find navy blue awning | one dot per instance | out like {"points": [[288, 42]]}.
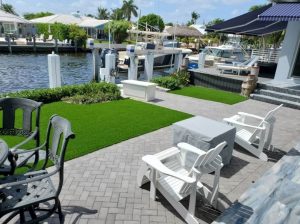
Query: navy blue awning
{"points": [[249, 24], [282, 12]]}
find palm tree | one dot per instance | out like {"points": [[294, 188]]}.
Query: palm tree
{"points": [[195, 16], [117, 14], [129, 8], [8, 8], [103, 13]]}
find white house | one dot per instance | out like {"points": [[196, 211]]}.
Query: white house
{"points": [[94, 27], [15, 25]]}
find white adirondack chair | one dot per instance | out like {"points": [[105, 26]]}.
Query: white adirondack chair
{"points": [[248, 134], [176, 173]]}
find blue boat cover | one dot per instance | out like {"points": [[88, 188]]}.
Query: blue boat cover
{"points": [[249, 24], [282, 12]]}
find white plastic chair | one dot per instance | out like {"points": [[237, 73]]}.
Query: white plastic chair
{"points": [[239, 67], [176, 173], [248, 134]]}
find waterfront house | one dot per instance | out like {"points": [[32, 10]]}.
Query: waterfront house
{"points": [[94, 27], [15, 25]]}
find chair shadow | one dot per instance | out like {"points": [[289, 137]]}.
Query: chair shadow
{"points": [[70, 210], [235, 165], [66, 210], [204, 211], [273, 156]]}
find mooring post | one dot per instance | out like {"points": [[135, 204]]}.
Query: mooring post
{"points": [[56, 46], [54, 70], [178, 61], [9, 44], [34, 43], [201, 60], [133, 66], [110, 65], [76, 45], [149, 61], [96, 64]]}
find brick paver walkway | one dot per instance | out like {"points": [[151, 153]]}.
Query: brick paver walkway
{"points": [[101, 187]]}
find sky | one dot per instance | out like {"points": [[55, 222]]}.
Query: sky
{"points": [[176, 11]]}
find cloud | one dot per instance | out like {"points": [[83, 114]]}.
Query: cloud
{"points": [[235, 12]]}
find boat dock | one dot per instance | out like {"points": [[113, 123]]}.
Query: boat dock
{"points": [[213, 78]]}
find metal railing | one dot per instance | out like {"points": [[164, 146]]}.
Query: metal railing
{"points": [[266, 55]]}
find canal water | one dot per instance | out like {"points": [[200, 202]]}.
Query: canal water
{"points": [[30, 71]]}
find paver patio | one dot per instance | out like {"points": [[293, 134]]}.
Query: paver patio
{"points": [[101, 187]]}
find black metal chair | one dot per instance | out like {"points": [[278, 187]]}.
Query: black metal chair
{"points": [[9, 108], [24, 193]]}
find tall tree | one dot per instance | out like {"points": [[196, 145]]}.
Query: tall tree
{"points": [[37, 15], [129, 9], [195, 17], [151, 20], [8, 8], [255, 7], [217, 36], [103, 13], [117, 14]]}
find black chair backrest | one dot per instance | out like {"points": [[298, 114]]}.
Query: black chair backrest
{"points": [[9, 106], [58, 134]]}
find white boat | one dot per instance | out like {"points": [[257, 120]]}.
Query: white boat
{"points": [[224, 53], [163, 60]]}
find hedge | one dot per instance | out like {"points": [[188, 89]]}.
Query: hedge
{"points": [[107, 91]]}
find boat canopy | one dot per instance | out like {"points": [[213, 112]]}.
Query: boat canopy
{"points": [[282, 12], [250, 24]]}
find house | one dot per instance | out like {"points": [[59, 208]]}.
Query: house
{"points": [[94, 27], [15, 25]]}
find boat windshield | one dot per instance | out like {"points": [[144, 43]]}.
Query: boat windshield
{"points": [[218, 52]]}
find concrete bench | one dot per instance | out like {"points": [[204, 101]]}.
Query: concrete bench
{"points": [[139, 89], [273, 198]]}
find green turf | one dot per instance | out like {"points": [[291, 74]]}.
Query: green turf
{"points": [[99, 125], [210, 94]]}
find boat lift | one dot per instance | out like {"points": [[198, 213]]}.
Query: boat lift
{"points": [[108, 73], [149, 54]]}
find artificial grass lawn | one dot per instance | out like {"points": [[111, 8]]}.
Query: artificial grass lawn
{"points": [[210, 94], [103, 124]]}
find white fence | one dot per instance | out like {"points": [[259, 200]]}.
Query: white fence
{"points": [[266, 55]]}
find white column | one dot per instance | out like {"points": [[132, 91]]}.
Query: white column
{"points": [[201, 60], [178, 61], [132, 69], [54, 70], [133, 66], [110, 64], [289, 51], [149, 61]]}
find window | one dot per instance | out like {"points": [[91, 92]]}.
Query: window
{"points": [[9, 27], [226, 54]]}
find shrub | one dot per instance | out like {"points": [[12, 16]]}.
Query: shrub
{"points": [[168, 82], [174, 81], [105, 91], [183, 77]]}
